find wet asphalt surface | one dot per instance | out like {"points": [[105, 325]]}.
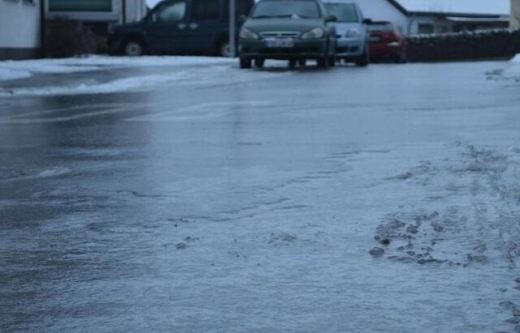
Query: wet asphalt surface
{"points": [[102, 196]]}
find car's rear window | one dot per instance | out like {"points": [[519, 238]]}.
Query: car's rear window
{"points": [[286, 8], [384, 27], [344, 12]]}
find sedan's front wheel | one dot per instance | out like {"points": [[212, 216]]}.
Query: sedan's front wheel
{"points": [[332, 61], [259, 62], [364, 59]]}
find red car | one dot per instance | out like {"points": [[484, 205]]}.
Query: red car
{"points": [[386, 42]]}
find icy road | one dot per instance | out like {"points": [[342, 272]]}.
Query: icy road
{"points": [[202, 198]]}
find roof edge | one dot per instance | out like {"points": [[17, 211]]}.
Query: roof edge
{"points": [[467, 15], [399, 7]]}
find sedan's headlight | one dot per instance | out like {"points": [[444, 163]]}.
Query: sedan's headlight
{"points": [[314, 33], [247, 34], [353, 32]]}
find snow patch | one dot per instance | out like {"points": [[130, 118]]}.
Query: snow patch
{"points": [[94, 63], [7, 74], [192, 77], [516, 59]]}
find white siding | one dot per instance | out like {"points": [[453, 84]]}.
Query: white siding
{"points": [[19, 24], [515, 13], [135, 10]]}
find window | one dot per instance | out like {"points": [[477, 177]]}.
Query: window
{"points": [[243, 7], [343, 12], [172, 12], [426, 28], [302, 9], [205, 9], [80, 5]]}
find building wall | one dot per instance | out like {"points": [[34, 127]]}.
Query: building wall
{"points": [[419, 25], [19, 29], [135, 10], [515, 13], [382, 10]]}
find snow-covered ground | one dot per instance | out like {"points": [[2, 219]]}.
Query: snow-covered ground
{"points": [[135, 73], [93, 63], [140, 73], [513, 71], [337, 201]]}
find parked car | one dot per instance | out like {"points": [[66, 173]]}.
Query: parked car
{"points": [[179, 27], [351, 32], [386, 42], [293, 30]]}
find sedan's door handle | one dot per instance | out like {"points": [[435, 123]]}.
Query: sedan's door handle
{"points": [[194, 26], [181, 26]]}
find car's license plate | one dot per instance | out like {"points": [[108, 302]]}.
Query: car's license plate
{"points": [[279, 42], [374, 39]]}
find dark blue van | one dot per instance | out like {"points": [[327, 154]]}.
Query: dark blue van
{"points": [[179, 27]]}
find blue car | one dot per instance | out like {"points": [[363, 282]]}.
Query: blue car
{"points": [[351, 32]]}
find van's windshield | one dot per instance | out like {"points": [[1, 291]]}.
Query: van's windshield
{"points": [[344, 12], [291, 8]]}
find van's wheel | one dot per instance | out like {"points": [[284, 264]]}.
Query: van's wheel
{"points": [[134, 48], [302, 62], [292, 63], [259, 62], [224, 49], [245, 63]]}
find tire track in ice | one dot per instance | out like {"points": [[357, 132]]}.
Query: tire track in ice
{"points": [[482, 229]]}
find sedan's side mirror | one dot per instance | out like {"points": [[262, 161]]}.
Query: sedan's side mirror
{"points": [[242, 18], [367, 21], [331, 18]]}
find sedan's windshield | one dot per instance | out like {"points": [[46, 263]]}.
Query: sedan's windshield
{"points": [[290, 8], [344, 12]]}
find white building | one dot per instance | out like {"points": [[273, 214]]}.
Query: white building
{"points": [[22, 23], [437, 16], [20, 34], [515, 13], [101, 11]]}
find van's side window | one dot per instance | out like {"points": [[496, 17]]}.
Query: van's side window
{"points": [[172, 12], [243, 7], [205, 9]]}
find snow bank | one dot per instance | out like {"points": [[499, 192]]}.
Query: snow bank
{"points": [[92, 63], [513, 71], [12, 70], [187, 77], [7, 74]]}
